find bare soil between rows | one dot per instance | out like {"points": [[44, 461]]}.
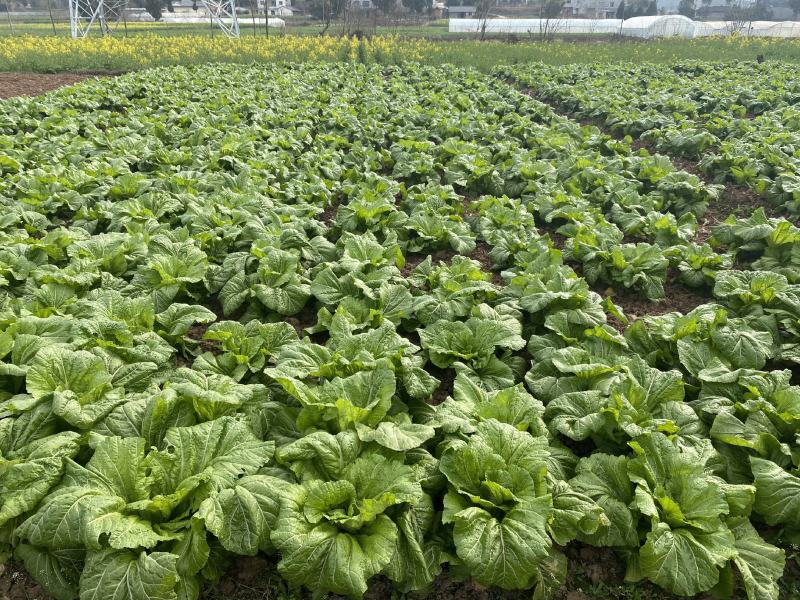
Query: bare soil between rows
{"points": [[34, 84], [594, 574]]}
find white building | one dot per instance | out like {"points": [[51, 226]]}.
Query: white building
{"points": [[460, 12], [709, 8], [277, 8], [595, 9]]}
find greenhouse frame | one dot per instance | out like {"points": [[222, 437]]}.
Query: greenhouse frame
{"points": [[639, 27]]}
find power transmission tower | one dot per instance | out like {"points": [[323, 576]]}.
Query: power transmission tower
{"points": [[105, 16], [223, 13]]}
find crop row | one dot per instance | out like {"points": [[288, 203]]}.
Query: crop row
{"points": [[740, 120], [349, 316]]}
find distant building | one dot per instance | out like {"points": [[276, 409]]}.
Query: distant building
{"points": [[277, 8], [669, 7], [708, 10], [185, 5], [719, 10], [592, 9], [460, 12], [781, 11]]}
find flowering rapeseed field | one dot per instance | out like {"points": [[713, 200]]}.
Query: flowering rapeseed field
{"points": [[61, 53]]}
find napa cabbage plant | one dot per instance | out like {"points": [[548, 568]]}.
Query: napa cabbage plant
{"points": [[641, 267], [363, 288], [172, 268], [704, 338], [449, 292], [347, 353], [125, 502], [471, 345], [694, 526], [556, 301], [243, 350], [363, 514], [505, 510]]}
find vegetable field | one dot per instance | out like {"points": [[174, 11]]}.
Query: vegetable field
{"points": [[399, 323]]}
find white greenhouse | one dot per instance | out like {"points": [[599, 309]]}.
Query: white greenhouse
{"points": [[640, 27], [537, 26], [782, 29], [658, 26], [711, 28]]}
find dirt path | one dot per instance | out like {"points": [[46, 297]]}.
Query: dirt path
{"points": [[33, 84]]}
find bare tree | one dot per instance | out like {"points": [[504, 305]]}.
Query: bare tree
{"points": [[735, 17], [53, 21], [358, 19], [326, 11], [688, 8], [327, 15], [387, 7], [741, 15], [550, 22], [8, 14], [482, 10]]}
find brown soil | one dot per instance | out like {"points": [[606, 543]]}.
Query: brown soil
{"points": [[445, 588], [580, 448], [594, 574], [247, 578], [447, 378], [790, 582], [481, 254], [305, 318], [196, 332], [681, 162], [413, 259], [634, 305], [736, 200], [16, 584], [638, 144], [467, 205], [616, 323], [688, 165], [559, 240], [598, 564], [255, 578], [329, 214], [33, 84], [213, 304]]}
